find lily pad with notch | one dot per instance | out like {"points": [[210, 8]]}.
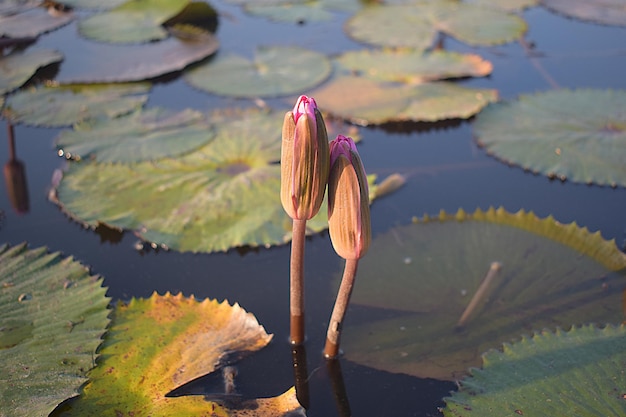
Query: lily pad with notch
{"points": [[417, 25], [133, 21], [446, 289], [577, 135], [103, 63], [33, 22], [607, 12], [144, 135], [274, 71], [220, 196], [364, 101], [64, 105]]}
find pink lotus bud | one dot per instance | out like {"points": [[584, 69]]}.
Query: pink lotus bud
{"points": [[348, 200], [304, 160]]}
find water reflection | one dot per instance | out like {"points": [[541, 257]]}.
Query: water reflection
{"points": [[15, 177]]}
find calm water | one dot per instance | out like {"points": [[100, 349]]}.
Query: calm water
{"points": [[445, 170]]}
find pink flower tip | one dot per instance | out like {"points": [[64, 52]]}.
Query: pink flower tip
{"points": [[304, 105]]}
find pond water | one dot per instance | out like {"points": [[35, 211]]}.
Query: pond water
{"points": [[444, 168]]}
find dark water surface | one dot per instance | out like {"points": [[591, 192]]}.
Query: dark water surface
{"points": [[445, 170]]}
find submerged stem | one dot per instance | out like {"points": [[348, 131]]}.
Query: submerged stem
{"points": [[494, 268], [331, 350], [296, 289]]}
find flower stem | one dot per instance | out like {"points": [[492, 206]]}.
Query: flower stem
{"points": [[296, 293], [331, 350]]}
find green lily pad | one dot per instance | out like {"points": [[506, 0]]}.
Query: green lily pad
{"points": [[579, 135], [220, 196], [275, 71], [364, 101], [142, 136], [131, 22], [155, 345], [508, 5], [65, 105], [575, 373], [52, 316], [437, 316], [34, 22], [18, 66], [416, 25], [607, 12], [413, 67], [298, 11], [101, 63]]}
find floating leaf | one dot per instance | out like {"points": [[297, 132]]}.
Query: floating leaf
{"points": [[508, 5], [220, 196], [291, 12], [18, 66], [424, 277], [106, 63], [413, 67], [34, 22], [11, 7], [65, 105], [275, 71], [578, 135], [575, 373], [93, 4], [416, 25], [52, 316], [608, 12], [142, 136], [155, 345], [364, 101], [132, 21]]}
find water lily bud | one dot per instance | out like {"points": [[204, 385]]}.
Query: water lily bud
{"points": [[348, 200], [304, 161]]}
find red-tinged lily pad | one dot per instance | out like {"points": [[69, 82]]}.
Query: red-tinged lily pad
{"points": [[18, 66], [10, 7], [577, 135], [34, 22], [448, 288], [220, 196], [158, 344], [102, 63], [579, 372], [274, 71], [365, 101], [607, 12], [64, 105], [53, 313], [416, 25], [141, 136], [131, 22]]}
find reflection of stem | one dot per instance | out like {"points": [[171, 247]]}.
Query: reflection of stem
{"points": [[339, 388], [11, 137], [537, 64], [331, 350], [480, 293], [301, 375], [296, 294]]}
